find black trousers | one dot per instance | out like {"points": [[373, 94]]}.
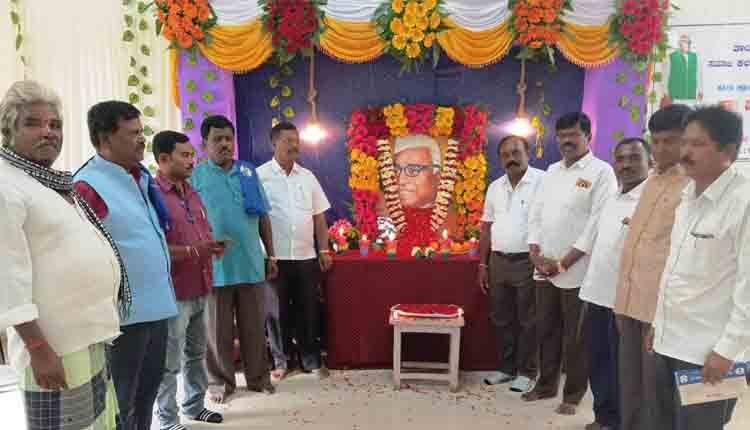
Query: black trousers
{"points": [[298, 316], [601, 343], [136, 360], [670, 413]]}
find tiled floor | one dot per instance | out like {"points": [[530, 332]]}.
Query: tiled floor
{"points": [[365, 400]]}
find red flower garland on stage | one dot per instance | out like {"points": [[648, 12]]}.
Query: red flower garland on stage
{"points": [[638, 27], [295, 25]]}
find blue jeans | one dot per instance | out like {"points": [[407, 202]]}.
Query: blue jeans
{"points": [[186, 351]]}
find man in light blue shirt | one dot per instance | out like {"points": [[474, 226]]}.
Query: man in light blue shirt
{"points": [[238, 213]]}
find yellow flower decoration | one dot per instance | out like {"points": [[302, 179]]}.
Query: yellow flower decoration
{"points": [[423, 23], [435, 20], [397, 26], [399, 42], [397, 6], [443, 125], [416, 35], [413, 50], [412, 8], [410, 20], [429, 4], [429, 39]]}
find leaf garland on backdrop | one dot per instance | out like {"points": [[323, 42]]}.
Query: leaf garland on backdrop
{"points": [[295, 27], [16, 20], [409, 29], [537, 26], [137, 22], [183, 23]]}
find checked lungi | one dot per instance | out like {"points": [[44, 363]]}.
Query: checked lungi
{"points": [[89, 403]]}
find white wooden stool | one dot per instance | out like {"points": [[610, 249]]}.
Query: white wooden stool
{"points": [[449, 326]]}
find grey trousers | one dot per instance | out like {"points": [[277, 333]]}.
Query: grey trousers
{"points": [[244, 304], [636, 375], [671, 415], [513, 315]]}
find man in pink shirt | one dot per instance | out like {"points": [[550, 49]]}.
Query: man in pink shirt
{"points": [[191, 247]]}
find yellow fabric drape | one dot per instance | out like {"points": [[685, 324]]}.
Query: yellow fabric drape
{"points": [[351, 42], [238, 48], [174, 59], [587, 45], [475, 48]]}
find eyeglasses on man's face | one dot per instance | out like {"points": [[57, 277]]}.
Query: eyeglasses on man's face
{"points": [[413, 170]]}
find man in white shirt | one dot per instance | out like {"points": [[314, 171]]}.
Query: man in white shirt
{"points": [[703, 313], [571, 195], [604, 241], [62, 277], [506, 273], [298, 206]]}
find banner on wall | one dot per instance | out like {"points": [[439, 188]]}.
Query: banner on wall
{"points": [[710, 64]]}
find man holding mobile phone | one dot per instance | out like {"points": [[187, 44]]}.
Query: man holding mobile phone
{"points": [[191, 247]]}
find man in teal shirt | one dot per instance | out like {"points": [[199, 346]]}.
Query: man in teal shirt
{"points": [[238, 213]]}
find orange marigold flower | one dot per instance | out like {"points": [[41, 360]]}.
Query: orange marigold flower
{"points": [[535, 3], [522, 10], [185, 42], [416, 35], [521, 24], [429, 40], [204, 13], [413, 50], [168, 33], [435, 20], [549, 16], [190, 11], [397, 6], [198, 34], [399, 42], [535, 15], [548, 3], [535, 44], [174, 22]]}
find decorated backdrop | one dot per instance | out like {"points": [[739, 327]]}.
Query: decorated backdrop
{"points": [[345, 88]]}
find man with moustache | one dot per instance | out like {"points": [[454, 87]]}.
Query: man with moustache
{"points": [[603, 241], [238, 213], [417, 167], [126, 198], [702, 316], [644, 254], [572, 193], [298, 206], [191, 247], [62, 278], [506, 273]]}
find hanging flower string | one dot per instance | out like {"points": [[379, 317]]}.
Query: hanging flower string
{"points": [[409, 29], [184, 23], [639, 28], [295, 26], [537, 26]]}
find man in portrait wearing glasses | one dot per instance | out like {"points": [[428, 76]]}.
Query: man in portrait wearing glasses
{"points": [[417, 162], [571, 196]]}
